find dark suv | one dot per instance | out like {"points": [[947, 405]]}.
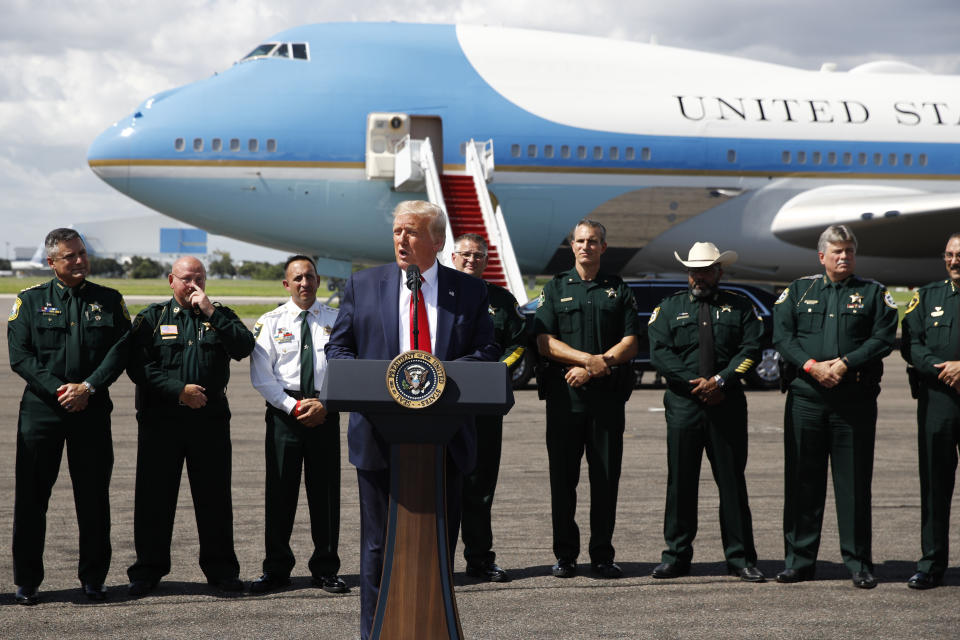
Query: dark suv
{"points": [[649, 294]]}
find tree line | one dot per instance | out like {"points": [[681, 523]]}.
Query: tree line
{"points": [[139, 267]]}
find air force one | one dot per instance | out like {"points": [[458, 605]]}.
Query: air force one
{"points": [[308, 142]]}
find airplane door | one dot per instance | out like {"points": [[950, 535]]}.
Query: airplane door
{"points": [[429, 127]]}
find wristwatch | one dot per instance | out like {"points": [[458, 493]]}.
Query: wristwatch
{"points": [[89, 387], [720, 381]]}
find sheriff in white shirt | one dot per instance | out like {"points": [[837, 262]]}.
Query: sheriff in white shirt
{"points": [[287, 368]]}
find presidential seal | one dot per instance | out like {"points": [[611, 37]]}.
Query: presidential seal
{"points": [[415, 379]]}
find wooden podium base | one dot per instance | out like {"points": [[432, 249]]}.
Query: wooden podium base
{"points": [[416, 597]]}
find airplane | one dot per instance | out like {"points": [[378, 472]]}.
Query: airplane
{"points": [[296, 147]]}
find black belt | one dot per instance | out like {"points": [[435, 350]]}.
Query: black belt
{"points": [[298, 395]]}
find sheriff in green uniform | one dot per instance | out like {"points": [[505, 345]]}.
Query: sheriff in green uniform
{"points": [[833, 330], [470, 256], [180, 360], [931, 343], [702, 341], [586, 327], [68, 339]]}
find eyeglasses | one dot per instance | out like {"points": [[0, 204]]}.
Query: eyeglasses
{"points": [[950, 256], [198, 281], [471, 255]]}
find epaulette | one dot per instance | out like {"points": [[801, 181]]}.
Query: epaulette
{"points": [[36, 286], [813, 277], [276, 311], [871, 281]]}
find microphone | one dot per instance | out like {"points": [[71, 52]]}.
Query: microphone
{"points": [[413, 277], [413, 283]]}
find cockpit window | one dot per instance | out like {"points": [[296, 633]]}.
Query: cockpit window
{"points": [[296, 50]]}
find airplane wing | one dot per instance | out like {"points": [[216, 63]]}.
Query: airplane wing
{"points": [[888, 221]]}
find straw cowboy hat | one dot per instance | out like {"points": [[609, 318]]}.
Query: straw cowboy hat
{"points": [[706, 254]]}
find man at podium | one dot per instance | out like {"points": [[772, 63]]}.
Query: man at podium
{"points": [[375, 323]]}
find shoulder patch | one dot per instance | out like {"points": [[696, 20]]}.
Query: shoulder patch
{"points": [[137, 322], [257, 327], [123, 308], [540, 299], [15, 311], [783, 296], [516, 310], [913, 303], [888, 299], [653, 316]]}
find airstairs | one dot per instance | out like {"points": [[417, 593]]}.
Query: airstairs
{"points": [[466, 200]]}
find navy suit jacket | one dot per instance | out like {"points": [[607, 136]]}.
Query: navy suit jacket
{"points": [[368, 328]]}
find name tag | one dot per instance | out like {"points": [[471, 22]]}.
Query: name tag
{"points": [[566, 299]]}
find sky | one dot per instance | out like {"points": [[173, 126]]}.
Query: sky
{"points": [[69, 68]]}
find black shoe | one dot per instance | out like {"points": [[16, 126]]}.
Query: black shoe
{"points": [[140, 588], [864, 580], [27, 596], [747, 574], [789, 576], [606, 570], [923, 580], [564, 569], [489, 572], [331, 583], [671, 570], [269, 582], [226, 584], [95, 592]]}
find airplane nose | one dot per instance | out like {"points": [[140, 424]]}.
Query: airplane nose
{"points": [[109, 154]]}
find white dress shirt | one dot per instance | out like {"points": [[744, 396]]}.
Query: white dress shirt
{"points": [[275, 362], [429, 289]]}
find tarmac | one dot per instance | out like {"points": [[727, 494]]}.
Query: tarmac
{"points": [[535, 605]]}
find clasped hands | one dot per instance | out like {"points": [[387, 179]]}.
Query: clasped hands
{"points": [[828, 373], [707, 391], [312, 412], [73, 396], [949, 373], [595, 366]]}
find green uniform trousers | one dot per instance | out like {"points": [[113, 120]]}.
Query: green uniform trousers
{"points": [[290, 447], [599, 431], [938, 414], [840, 427], [42, 432], [163, 444], [722, 431], [477, 494]]}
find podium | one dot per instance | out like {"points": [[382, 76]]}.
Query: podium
{"points": [[416, 598]]}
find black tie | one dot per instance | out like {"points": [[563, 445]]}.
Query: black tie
{"points": [[706, 340], [72, 313], [306, 357]]}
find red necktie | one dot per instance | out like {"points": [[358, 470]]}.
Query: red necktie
{"points": [[423, 323]]}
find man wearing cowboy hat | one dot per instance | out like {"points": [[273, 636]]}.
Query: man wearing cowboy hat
{"points": [[702, 341], [834, 329]]}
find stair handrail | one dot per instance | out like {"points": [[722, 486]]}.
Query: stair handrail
{"points": [[493, 220], [435, 195]]}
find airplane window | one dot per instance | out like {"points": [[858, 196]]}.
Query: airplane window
{"points": [[178, 144], [892, 159], [198, 144], [630, 154], [271, 145], [379, 145], [597, 153], [922, 158], [565, 151], [731, 155], [861, 158], [463, 149], [234, 144], [300, 51], [283, 51], [531, 150], [515, 150], [645, 153], [548, 151], [785, 157], [581, 152], [832, 157], [262, 50], [614, 153], [847, 158], [878, 159], [253, 144], [907, 160], [216, 144], [802, 157], [815, 157]]}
